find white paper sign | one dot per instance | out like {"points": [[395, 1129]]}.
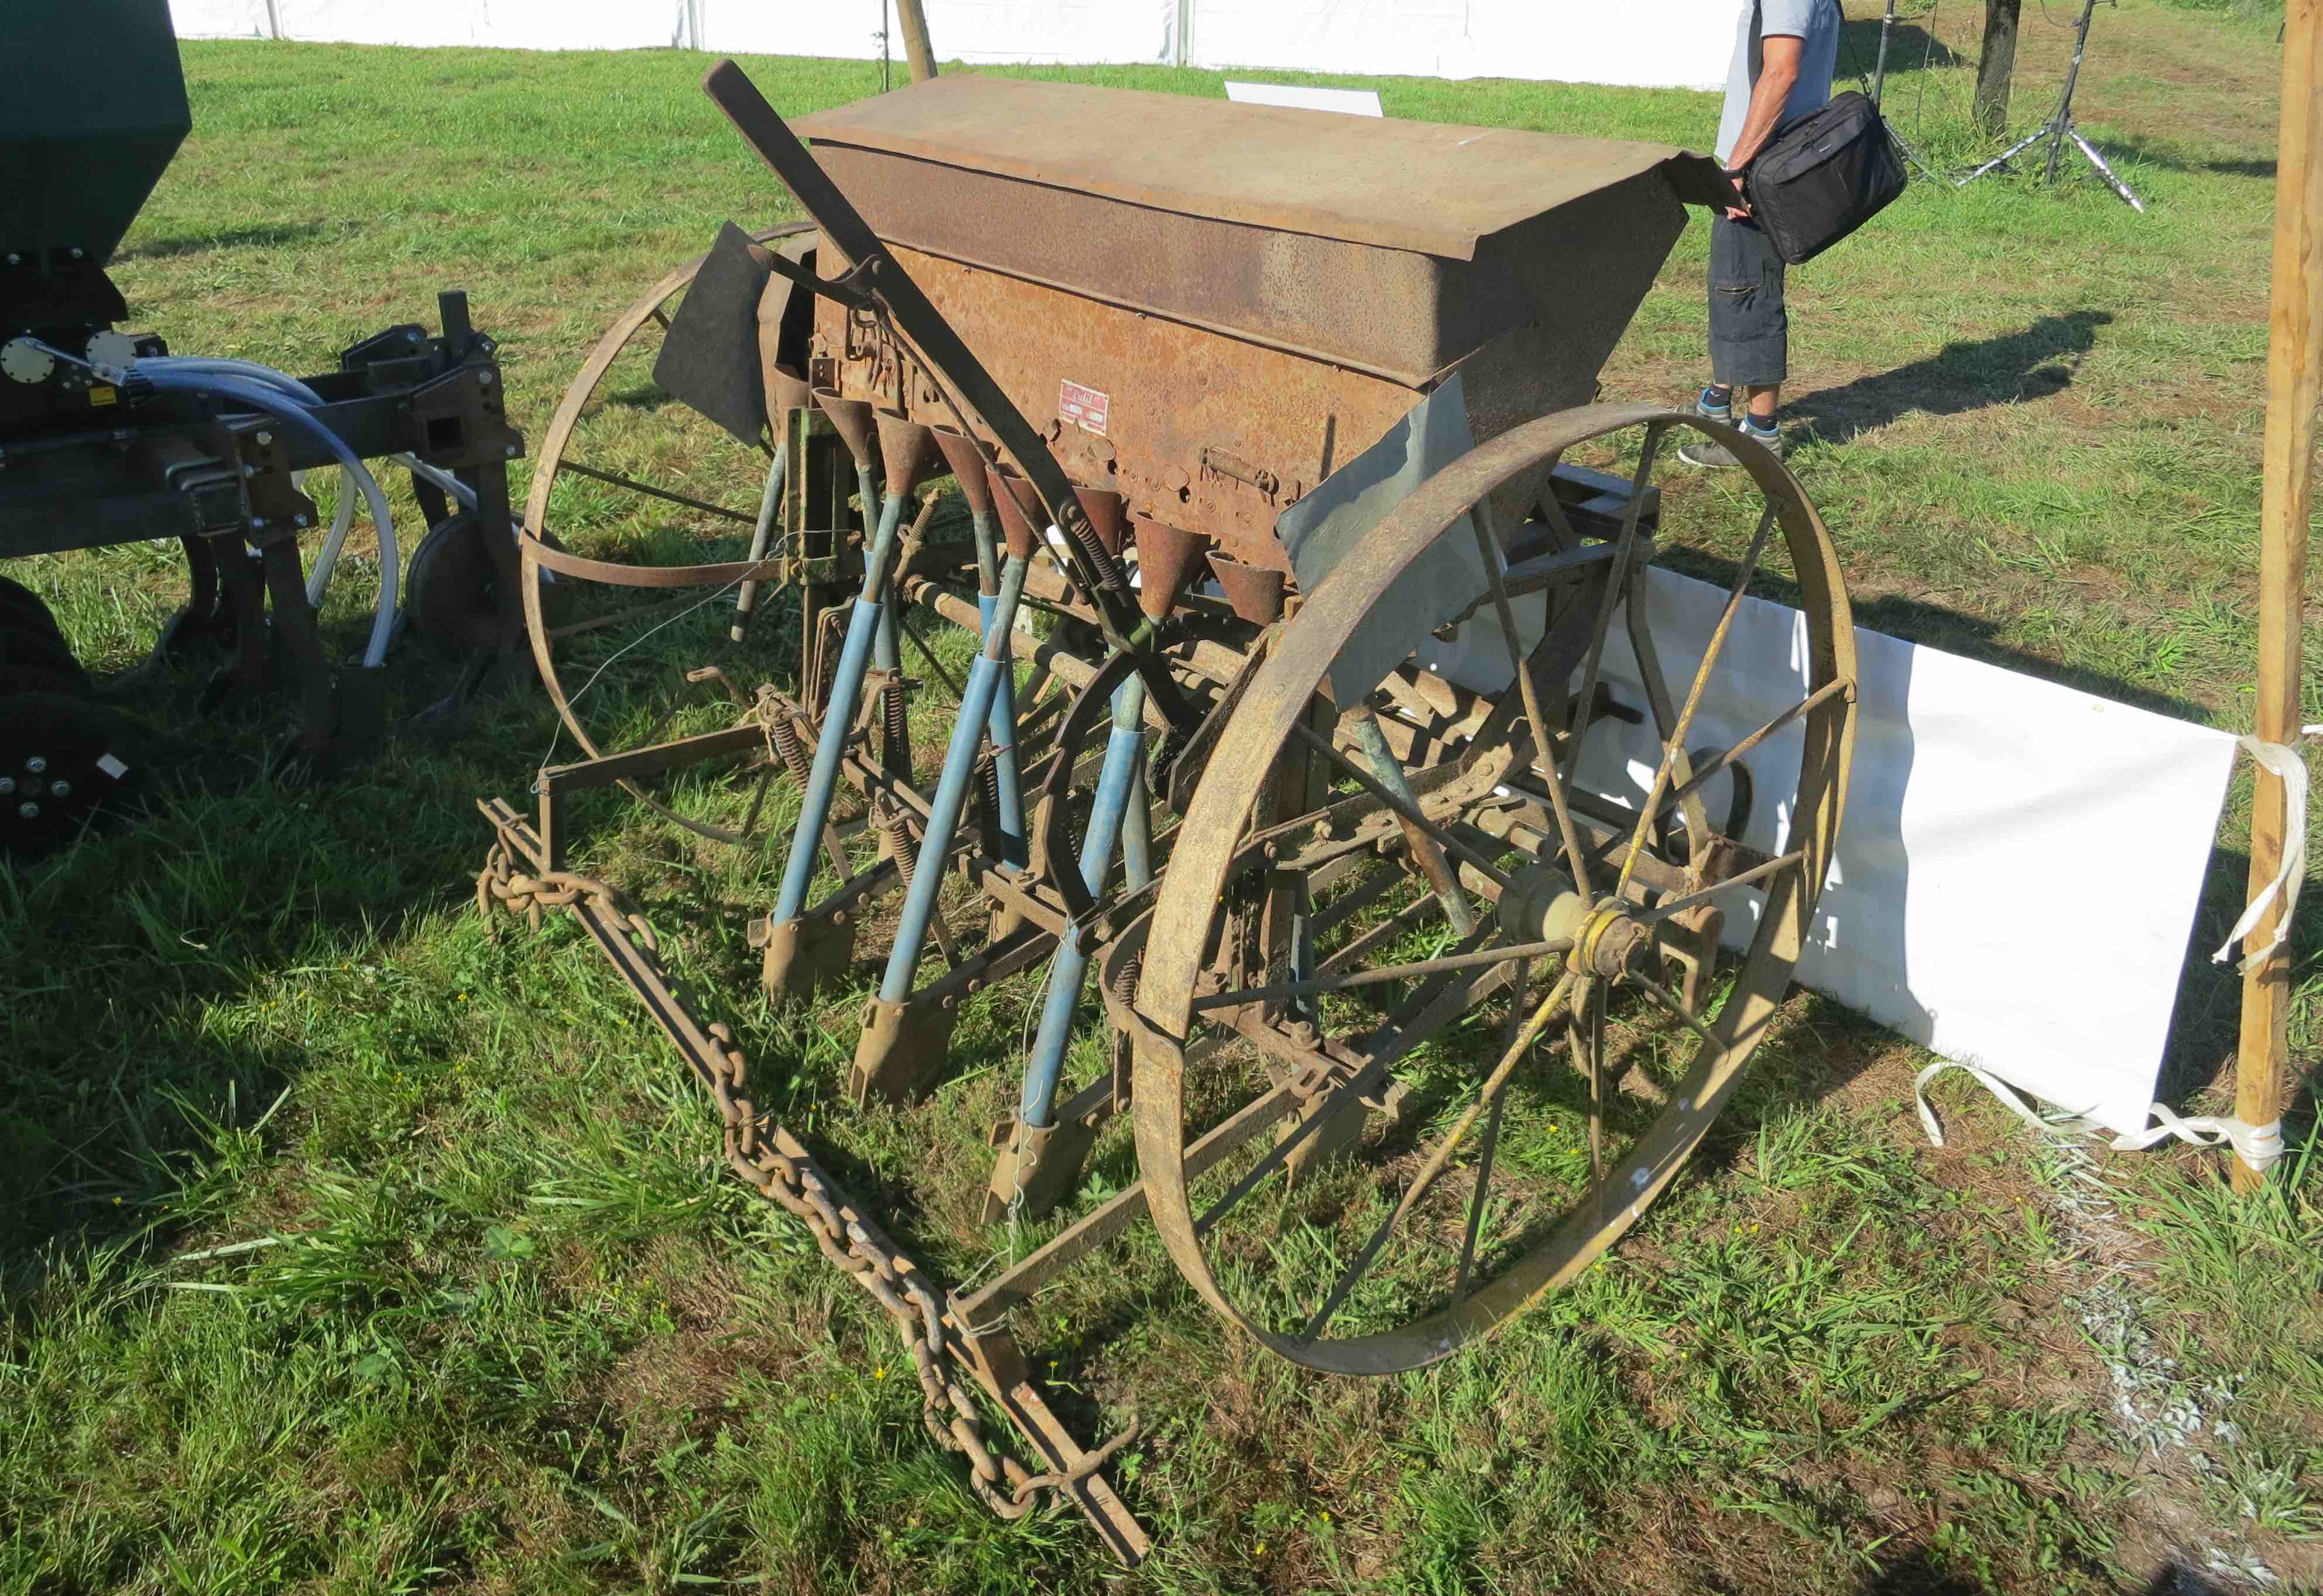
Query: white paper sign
{"points": [[1355, 102], [2019, 863]]}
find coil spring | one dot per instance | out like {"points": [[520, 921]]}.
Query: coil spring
{"points": [[897, 729], [987, 783], [1125, 979], [788, 744], [900, 845]]}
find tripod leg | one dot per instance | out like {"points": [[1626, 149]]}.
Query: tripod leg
{"points": [[2105, 171], [2006, 156], [1914, 156], [2056, 149]]}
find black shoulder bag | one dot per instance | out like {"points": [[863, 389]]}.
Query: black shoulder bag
{"points": [[1821, 178]]}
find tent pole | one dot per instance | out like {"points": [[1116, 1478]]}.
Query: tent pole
{"points": [[914, 22], [2294, 381]]}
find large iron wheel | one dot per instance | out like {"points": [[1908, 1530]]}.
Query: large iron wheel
{"points": [[1401, 932], [632, 479]]}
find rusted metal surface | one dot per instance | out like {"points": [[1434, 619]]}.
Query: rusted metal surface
{"points": [[1433, 189], [1211, 357], [1272, 714]]}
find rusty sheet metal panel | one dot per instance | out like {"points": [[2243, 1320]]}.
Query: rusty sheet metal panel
{"points": [[1200, 431], [1394, 247], [1213, 352], [1433, 189]]}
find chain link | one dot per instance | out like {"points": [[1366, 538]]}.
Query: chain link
{"points": [[893, 1278]]}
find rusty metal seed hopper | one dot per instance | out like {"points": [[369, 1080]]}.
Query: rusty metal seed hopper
{"points": [[1269, 582]]}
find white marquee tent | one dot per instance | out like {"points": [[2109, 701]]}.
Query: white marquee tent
{"points": [[1644, 43]]}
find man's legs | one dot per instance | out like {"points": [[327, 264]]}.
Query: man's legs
{"points": [[1750, 337]]}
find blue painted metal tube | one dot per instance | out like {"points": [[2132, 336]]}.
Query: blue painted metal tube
{"points": [[747, 600], [1000, 727], [984, 675], [885, 650], [1137, 829], [1116, 781], [838, 716], [1014, 846]]}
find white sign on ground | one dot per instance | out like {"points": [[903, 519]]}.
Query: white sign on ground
{"points": [[1672, 44], [2019, 865], [1352, 102]]}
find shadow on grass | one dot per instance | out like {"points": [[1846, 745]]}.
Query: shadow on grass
{"points": [[2139, 150], [135, 964], [266, 236], [2040, 361], [1919, 1572], [1910, 48]]}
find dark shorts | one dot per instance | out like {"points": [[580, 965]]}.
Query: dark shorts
{"points": [[1749, 331]]}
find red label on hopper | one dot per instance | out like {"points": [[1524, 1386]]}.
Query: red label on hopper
{"points": [[1085, 407]]}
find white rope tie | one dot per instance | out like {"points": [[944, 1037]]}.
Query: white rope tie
{"points": [[2286, 762], [2258, 1146]]}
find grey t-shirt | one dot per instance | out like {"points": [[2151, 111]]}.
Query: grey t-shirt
{"points": [[1814, 21]]}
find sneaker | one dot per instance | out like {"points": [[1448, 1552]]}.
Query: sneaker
{"points": [[1712, 455], [1715, 404]]}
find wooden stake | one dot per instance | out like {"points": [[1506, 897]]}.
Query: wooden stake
{"points": [[2294, 381], [915, 21]]}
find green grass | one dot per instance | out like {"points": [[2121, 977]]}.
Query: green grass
{"points": [[348, 1245]]}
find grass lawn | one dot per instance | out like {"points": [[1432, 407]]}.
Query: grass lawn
{"points": [[341, 1251]]}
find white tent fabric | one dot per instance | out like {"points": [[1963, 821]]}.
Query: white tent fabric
{"points": [[1681, 44], [508, 25]]}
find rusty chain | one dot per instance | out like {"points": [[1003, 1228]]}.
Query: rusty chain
{"points": [[893, 1278], [522, 892]]}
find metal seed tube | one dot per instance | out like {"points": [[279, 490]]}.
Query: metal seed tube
{"points": [[747, 598], [838, 715], [967, 731], [1115, 784]]}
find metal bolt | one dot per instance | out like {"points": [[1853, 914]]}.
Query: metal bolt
{"points": [[412, 337], [265, 440], [30, 811], [258, 523], [14, 259], [297, 520], [36, 765], [7, 785], [512, 451], [76, 253], [61, 789], [483, 379]]}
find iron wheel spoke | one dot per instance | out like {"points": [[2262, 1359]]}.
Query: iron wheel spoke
{"points": [[1487, 550], [1710, 772], [1755, 872], [1487, 1096], [1395, 972], [1674, 745], [1372, 785], [1661, 995], [635, 486], [1616, 581], [1481, 1189]]}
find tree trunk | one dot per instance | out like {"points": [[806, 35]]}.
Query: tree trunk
{"points": [[1996, 64], [915, 38]]}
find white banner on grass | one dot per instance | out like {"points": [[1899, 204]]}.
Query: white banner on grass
{"points": [[2019, 863]]}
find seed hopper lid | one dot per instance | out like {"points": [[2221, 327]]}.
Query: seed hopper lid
{"points": [[1433, 189]]}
